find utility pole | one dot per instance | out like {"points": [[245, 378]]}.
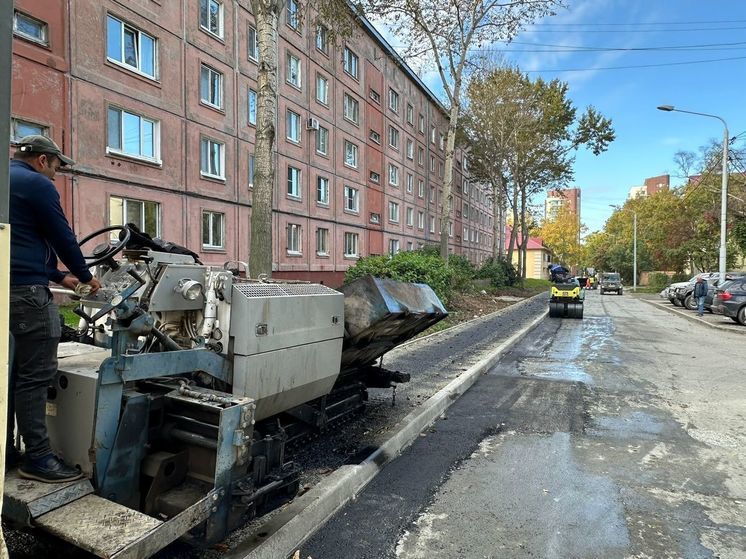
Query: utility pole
{"points": [[634, 254]]}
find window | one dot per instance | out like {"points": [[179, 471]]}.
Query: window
{"points": [[351, 108], [322, 241], [420, 155], [322, 39], [393, 246], [350, 154], [212, 159], [393, 137], [322, 190], [30, 28], [253, 44], [432, 194], [375, 218], [375, 177], [352, 200], [133, 135], [292, 71], [410, 246], [441, 142], [441, 169], [322, 141], [212, 230], [292, 17], [410, 114], [211, 86], [410, 216], [20, 128], [410, 183], [393, 100], [450, 229], [350, 63], [393, 175], [292, 131], [252, 107], [421, 126], [410, 149], [146, 215], [293, 235], [211, 17], [293, 182], [432, 224], [251, 170], [432, 134], [322, 89], [420, 220], [393, 212], [351, 245], [375, 136], [130, 47], [466, 211], [432, 163], [421, 188]]}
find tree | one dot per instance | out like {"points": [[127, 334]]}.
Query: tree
{"points": [[561, 234], [451, 32]]}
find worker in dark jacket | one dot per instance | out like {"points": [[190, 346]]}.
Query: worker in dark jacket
{"points": [[700, 291], [40, 234]]}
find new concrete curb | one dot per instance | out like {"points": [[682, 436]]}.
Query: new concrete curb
{"points": [[693, 317], [289, 529]]}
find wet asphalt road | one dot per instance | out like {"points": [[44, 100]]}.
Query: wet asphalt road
{"points": [[620, 435]]}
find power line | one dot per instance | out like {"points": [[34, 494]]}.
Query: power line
{"points": [[714, 22], [623, 49], [637, 66], [662, 30]]}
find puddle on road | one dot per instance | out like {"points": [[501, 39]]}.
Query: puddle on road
{"points": [[633, 425]]}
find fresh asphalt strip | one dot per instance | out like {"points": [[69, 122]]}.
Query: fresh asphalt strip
{"points": [[284, 533]]}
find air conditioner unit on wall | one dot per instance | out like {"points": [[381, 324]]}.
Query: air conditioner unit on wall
{"points": [[312, 124]]}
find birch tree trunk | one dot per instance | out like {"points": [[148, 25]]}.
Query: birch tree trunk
{"points": [[445, 211], [266, 13]]}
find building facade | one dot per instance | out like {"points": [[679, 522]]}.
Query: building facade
{"points": [[156, 102], [651, 186], [567, 197]]}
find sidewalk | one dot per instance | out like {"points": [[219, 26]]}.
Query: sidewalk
{"points": [[712, 320]]}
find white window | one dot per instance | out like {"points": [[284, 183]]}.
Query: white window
{"points": [[410, 149], [146, 215], [393, 175], [292, 131], [351, 245], [450, 229], [393, 137], [410, 183], [375, 136], [251, 170], [352, 199], [133, 135], [293, 235], [393, 100], [432, 224], [293, 181], [350, 63], [213, 227], [420, 155], [393, 212], [393, 246], [375, 177], [350, 154], [421, 188], [410, 114], [20, 128], [322, 89], [293, 14], [421, 125], [211, 86], [375, 96], [322, 190], [432, 163], [30, 28], [351, 109], [212, 159], [466, 187], [322, 141], [211, 17], [322, 241], [420, 220], [292, 72], [322, 39], [375, 218], [253, 44], [410, 246], [432, 194], [432, 134], [410, 216], [130, 47], [466, 211], [252, 107], [441, 142]]}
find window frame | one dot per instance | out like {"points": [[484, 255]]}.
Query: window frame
{"points": [[319, 143], [293, 232], [321, 78], [322, 248], [294, 187], [351, 198], [211, 216], [355, 152], [351, 63], [351, 240], [120, 152], [410, 114], [393, 212], [410, 149], [292, 17], [394, 246], [354, 105], [393, 175], [43, 129], [220, 34], [125, 202], [322, 35], [255, 45], [393, 100], [322, 200], [139, 33], [208, 102], [252, 95], [290, 117], [289, 59], [394, 137], [222, 146], [43, 25], [410, 217]]}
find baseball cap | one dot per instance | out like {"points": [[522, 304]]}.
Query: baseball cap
{"points": [[41, 144]]}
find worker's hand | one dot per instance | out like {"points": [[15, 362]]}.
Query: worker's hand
{"points": [[94, 285], [69, 282]]}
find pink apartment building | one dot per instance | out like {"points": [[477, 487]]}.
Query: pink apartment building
{"points": [[156, 101]]}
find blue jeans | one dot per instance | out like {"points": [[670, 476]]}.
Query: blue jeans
{"points": [[701, 305], [35, 333]]}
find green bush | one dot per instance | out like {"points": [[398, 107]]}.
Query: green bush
{"points": [[463, 272], [679, 276], [658, 280], [499, 271]]}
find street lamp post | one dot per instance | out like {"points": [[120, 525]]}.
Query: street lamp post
{"points": [[724, 192]]}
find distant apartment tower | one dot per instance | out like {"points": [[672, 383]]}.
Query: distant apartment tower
{"points": [[652, 186], [568, 198]]}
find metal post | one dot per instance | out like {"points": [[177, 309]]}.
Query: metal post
{"points": [[634, 254]]}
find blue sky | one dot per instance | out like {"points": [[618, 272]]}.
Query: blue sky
{"points": [[647, 139]]}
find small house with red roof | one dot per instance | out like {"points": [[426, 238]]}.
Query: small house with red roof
{"points": [[538, 256]]}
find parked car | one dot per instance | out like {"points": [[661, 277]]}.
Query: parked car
{"points": [[730, 300], [712, 285], [610, 281], [685, 292], [671, 293]]}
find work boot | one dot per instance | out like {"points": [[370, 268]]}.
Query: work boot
{"points": [[12, 458], [49, 469]]}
